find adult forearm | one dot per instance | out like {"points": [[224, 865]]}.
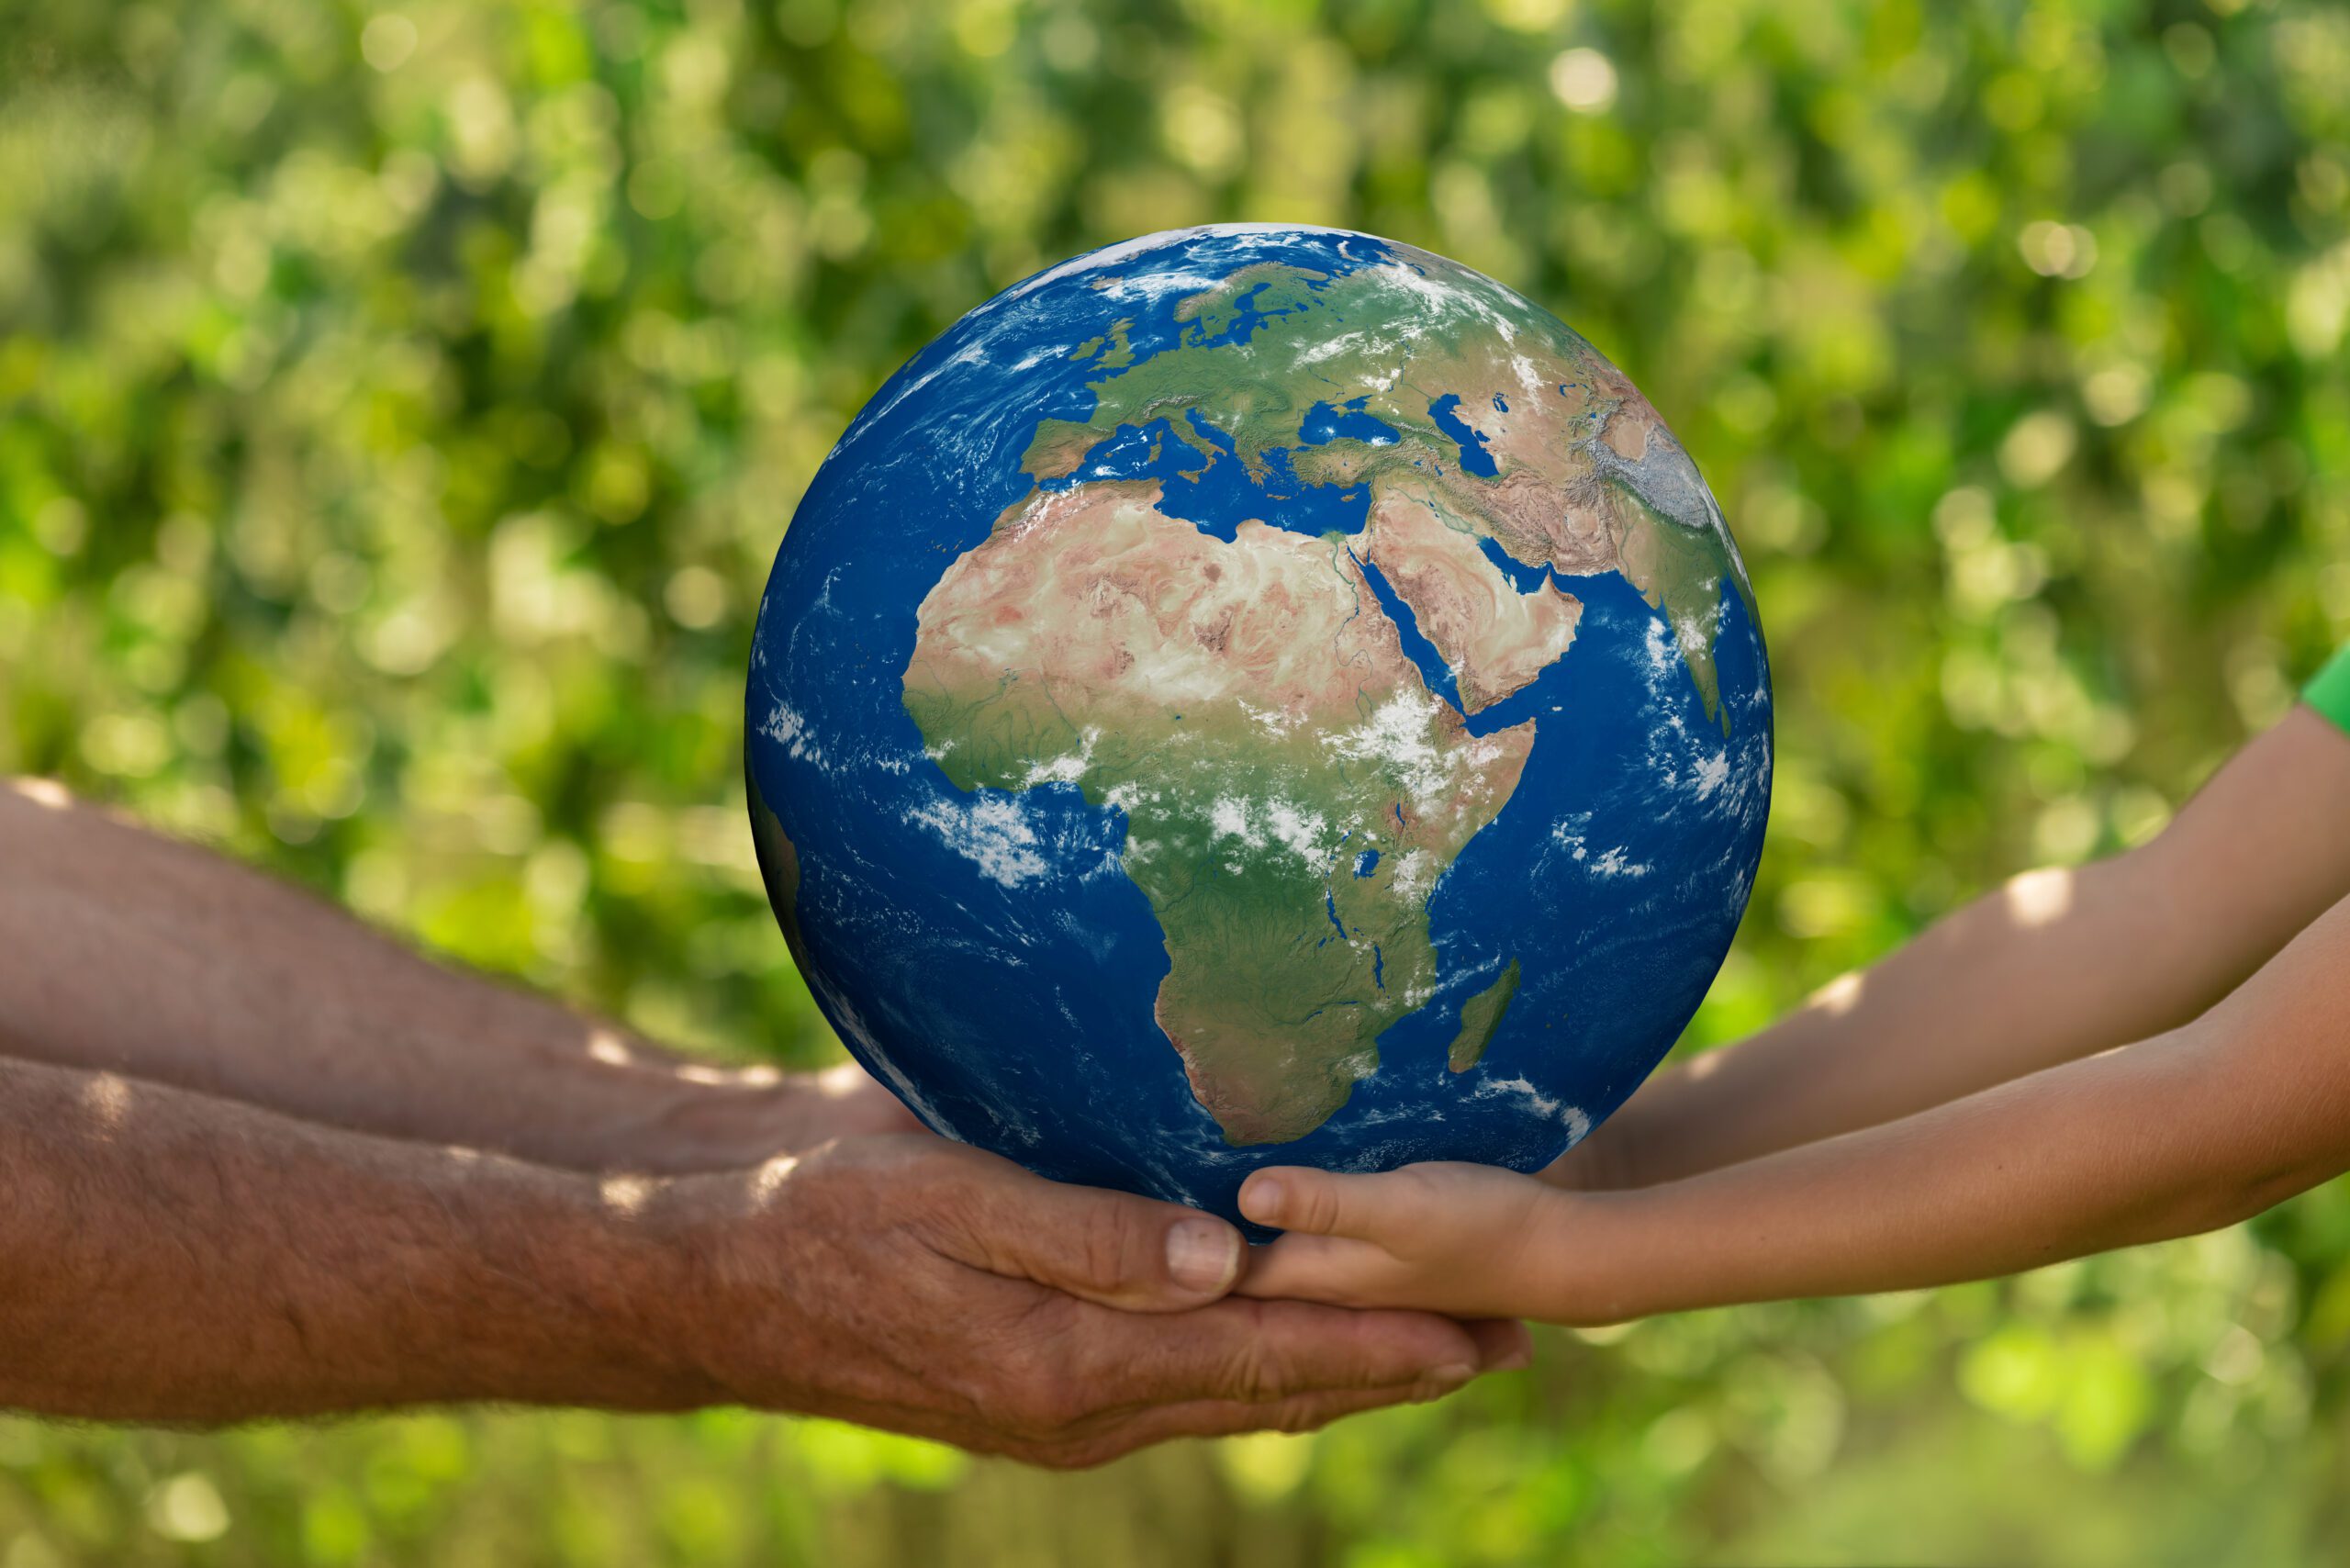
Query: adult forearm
{"points": [[168, 1257], [131, 953]]}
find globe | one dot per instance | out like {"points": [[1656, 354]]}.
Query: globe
{"points": [[1251, 695]]}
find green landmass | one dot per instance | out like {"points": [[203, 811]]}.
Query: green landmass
{"points": [[1243, 833], [1284, 968], [201, 458], [1260, 399], [778, 860], [1398, 338], [1480, 1016], [1270, 288], [1284, 974], [1121, 354], [1679, 573]]}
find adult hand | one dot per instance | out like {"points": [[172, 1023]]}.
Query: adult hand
{"points": [[921, 1286], [728, 1120], [181, 1257]]}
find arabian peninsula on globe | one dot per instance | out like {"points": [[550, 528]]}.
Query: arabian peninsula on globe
{"points": [[1259, 695]]}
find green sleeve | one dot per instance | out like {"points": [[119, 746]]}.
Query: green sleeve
{"points": [[2330, 692]]}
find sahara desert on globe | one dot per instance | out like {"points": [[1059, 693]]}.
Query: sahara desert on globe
{"points": [[1254, 694]]}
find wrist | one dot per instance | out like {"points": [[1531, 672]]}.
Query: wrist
{"points": [[1620, 1152], [691, 1120], [1607, 1160], [613, 1272], [1606, 1264], [710, 1121], [1668, 1129], [716, 1264]]}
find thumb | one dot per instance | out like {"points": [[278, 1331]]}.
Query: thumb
{"points": [[1315, 1202], [1111, 1248]]}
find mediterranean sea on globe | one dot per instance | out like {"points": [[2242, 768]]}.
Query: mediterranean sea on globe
{"points": [[1254, 695]]}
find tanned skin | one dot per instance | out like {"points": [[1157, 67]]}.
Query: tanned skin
{"points": [[2144, 1048], [256, 1160]]}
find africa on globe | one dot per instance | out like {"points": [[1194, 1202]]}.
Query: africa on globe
{"points": [[1253, 695]]}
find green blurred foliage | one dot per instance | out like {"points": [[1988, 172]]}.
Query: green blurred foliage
{"points": [[400, 405]]}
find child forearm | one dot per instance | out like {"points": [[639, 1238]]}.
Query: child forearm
{"points": [[2199, 1129], [2052, 967], [1980, 998], [2196, 1128], [2066, 1162]]}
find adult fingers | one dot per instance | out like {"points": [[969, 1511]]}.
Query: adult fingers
{"points": [[1503, 1343], [1113, 1249], [1224, 1418], [1259, 1352], [1338, 1270]]}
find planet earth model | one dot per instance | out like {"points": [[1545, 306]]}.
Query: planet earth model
{"points": [[1259, 695]]}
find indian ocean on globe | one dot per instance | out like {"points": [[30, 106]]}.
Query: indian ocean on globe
{"points": [[1259, 695]]}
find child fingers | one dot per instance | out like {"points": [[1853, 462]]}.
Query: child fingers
{"points": [[1318, 1202], [1333, 1269]]}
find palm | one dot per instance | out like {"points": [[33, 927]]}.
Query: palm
{"points": [[848, 1102]]}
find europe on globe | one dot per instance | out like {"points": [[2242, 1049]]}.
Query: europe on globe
{"points": [[1258, 694]]}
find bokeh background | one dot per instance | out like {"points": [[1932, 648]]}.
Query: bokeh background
{"points": [[400, 404]]}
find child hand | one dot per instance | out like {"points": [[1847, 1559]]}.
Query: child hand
{"points": [[1465, 1240]]}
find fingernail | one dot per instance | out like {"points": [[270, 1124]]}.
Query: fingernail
{"points": [[1451, 1376], [1260, 1200], [1516, 1361], [1202, 1254]]}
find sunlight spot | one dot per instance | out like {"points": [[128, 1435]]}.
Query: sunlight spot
{"points": [[768, 1179], [842, 1080], [107, 1099], [626, 1194], [1266, 1466], [729, 1077], [607, 1046], [2037, 898], [187, 1508], [1840, 995], [45, 792]]}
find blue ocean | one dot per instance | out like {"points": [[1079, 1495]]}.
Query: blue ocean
{"points": [[1015, 1012]]}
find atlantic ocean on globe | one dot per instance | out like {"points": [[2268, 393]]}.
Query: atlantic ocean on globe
{"points": [[1259, 695]]}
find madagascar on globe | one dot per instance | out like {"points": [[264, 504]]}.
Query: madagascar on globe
{"points": [[1259, 695]]}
